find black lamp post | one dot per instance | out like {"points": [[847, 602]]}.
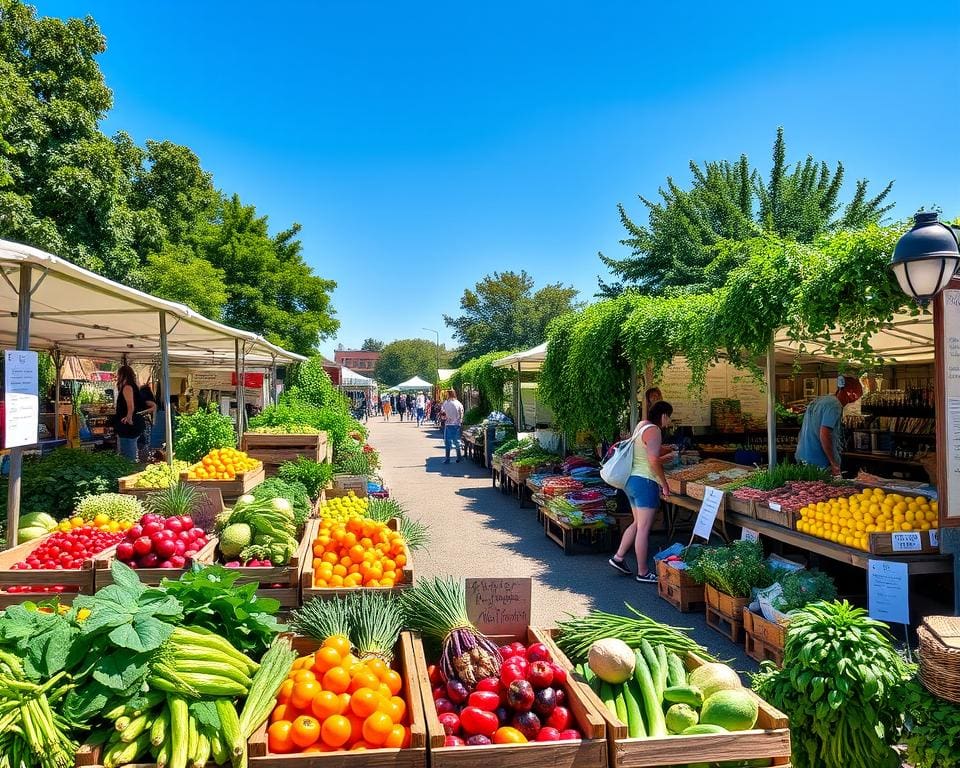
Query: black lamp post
{"points": [[925, 258]]}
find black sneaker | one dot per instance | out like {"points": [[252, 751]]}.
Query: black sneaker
{"points": [[647, 578], [446, 461], [620, 565], [458, 461]]}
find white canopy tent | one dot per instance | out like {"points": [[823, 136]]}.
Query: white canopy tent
{"points": [[528, 360], [415, 384], [53, 305], [350, 379]]}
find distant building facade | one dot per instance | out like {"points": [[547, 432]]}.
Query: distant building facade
{"points": [[357, 360]]}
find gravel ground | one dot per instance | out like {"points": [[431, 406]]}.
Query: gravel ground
{"points": [[478, 531]]}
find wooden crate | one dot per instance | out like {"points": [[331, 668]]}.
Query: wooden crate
{"points": [[334, 493], [415, 756], [273, 450], [591, 752], [308, 591], [775, 514], [231, 490], [676, 587], [725, 613], [355, 483], [882, 544], [150, 576], [770, 739], [697, 490], [125, 486], [742, 506], [763, 639], [694, 472], [571, 539], [77, 580]]}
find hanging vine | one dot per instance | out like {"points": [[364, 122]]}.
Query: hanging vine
{"points": [[488, 380]]}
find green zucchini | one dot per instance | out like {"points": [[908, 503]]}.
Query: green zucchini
{"points": [[663, 668], [635, 726], [620, 703], [607, 697], [676, 672], [652, 664], [684, 694], [651, 703]]}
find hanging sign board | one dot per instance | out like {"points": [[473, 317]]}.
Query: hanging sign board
{"points": [[500, 606], [712, 498], [21, 404], [950, 372], [888, 591]]}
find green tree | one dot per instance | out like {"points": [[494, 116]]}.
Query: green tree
{"points": [[178, 274], [406, 358], [681, 246], [372, 345], [503, 311]]}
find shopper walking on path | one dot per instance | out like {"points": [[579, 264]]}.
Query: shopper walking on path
{"points": [[420, 405], [386, 409], [453, 411], [401, 405], [646, 485]]}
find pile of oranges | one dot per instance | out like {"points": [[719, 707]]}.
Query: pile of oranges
{"points": [[357, 553], [332, 701], [851, 519], [222, 464]]}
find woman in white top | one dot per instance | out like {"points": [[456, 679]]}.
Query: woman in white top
{"points": [[647, 484]]}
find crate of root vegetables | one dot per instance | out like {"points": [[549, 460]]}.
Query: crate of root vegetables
{"points": [[497, 699], [663, 703]]}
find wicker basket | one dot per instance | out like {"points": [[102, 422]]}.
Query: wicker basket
{"points": [[940, 656]]}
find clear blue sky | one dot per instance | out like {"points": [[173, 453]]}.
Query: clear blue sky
{"points": [[423, 145]]}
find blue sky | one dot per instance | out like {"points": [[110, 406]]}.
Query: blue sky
{"points": [[423, 145]]}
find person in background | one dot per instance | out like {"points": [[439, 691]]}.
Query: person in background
{"points": [[453, 421], [647, 484], [420, 404], [821, 433], [401, 405], [129, 424], [651, 396], [387, 407], [148, 402]]}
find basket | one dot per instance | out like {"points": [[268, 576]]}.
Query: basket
{"points": [[940, 656]]}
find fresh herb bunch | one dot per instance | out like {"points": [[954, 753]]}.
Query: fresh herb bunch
{"points": [[735, 570], [289, 429], [801, 587], [55, 483], [175, 501], [352, 462], [371, 621], [293, 491], [416, 535], [313, 475], [117, 506], [506, 446], [321, 619], [200, 432], [779, 476], [842, 685], [932, 729]]}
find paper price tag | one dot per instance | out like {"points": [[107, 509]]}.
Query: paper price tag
{"points": [[888, 591], [934, 538], [748, 534], [712, 498], [907, 541], [500, 606], [774, 505], [20, 401]]}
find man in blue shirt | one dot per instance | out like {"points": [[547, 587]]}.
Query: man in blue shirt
{"points": [[821, 432]]}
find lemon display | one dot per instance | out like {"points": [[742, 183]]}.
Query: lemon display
{"points": [[222, 464], [343, 508], [850, 520]]}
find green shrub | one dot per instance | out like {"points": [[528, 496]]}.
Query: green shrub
{"points": [[313, 476], [200, 432]]}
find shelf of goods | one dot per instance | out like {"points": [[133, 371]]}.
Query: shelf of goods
{"points": [[408, 658], [677, 479], [676, 587], [769, 741], [763, 639], [72, 580], [308, 571], [102, 576], [589, 752], [595, 537], [243, 483], [274, 449]]}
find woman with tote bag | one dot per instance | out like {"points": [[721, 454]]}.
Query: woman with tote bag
{"points": [[644, 488]]}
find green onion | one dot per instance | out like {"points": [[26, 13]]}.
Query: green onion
{"points": [[321, 619], [376, 621]]}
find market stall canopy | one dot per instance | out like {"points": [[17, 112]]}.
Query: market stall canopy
{"points": [[411, 385], [444, 374], [80, 312], [529, 360], [350, 378]]}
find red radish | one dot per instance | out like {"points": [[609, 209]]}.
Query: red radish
{"points": [[443, 704], [178, 561], [519, 648], [143, 545], [450, 723], [439, 692], [506, 651], [174, 524]]}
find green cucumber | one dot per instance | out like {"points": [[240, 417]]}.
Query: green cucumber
{"points": [[620, 703], [676, 672], [651, 700], [663, 669], [653, 665], [704, 728], [684, 694], [607, 697], [635, 726]]}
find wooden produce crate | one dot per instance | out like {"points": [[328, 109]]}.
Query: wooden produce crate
{"points": [[697, 490], [76, 580], [775, 514], [907, 543], [407, 662], [725, 613], [590, 752], [741, 506], [764, 640], [273, 450], [770, 740], [125, 486], [150, 576], [355, 483], [308, 591], [334, 493], [585, 538], [678, 479], [231, 490], [676, 587]]}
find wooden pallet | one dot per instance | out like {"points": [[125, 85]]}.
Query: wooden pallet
{"points": [[677, 588], [725, 613], [763, 639], [591, 752], [769, 740], [273, 450]]}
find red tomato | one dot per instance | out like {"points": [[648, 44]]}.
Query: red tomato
{"points": [[453, 741], [570, 734], [538, 652], [491, 684], [519, 648], [559, 675], [436, 676], [509, 673], [559, 718], [477, 721], [485, 700], [173, 524], [143, 545], [450, 722], [548, 734]]}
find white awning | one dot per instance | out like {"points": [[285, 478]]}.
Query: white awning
{"points": [[529, 360], [907, 339], [80, 312], [350, 378], [416, 383]]}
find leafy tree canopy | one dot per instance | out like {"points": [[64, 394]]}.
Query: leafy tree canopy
{"points": [[148, 216], [405, 358], [372, 345], [684, 245], [504, 312]]}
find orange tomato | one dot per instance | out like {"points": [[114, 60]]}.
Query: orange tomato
{"points": [[344, 704], [284, 712], [377, 666], [305, 674], [335, 731], [363, 678], [278, 737], [336, 679], [398, 738], [376, 728], [508, 735], [286, 690], [360, 746], [394, 681], [305, 731], [326, 658], [303, 694], [394, 707], [324, 704], [364, 702]]}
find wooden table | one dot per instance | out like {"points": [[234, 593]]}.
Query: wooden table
{"points": [[473, 449]]}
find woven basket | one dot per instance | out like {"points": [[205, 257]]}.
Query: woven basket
{"points": [[940, 656]]}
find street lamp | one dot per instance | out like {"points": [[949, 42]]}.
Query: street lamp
{"points": [[433, 330], [925, 258]]}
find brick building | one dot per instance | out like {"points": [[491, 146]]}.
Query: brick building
{"points": [[357, 360]]}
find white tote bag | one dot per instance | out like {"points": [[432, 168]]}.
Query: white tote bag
{"points": [[616, 470]]}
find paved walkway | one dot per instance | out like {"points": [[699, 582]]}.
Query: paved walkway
{"points": [[478, 531]]}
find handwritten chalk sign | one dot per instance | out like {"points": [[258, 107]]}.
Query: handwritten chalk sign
{"points": [[888, 591], [712, 498], [500, 606], [20, 401], [907, 541], [748, 534]]}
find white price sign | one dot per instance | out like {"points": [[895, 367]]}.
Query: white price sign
{"points": [[906, 541], [775, 506], [934, 539], [712, 498], [20, 401], [748, 534], [888, 591]]}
